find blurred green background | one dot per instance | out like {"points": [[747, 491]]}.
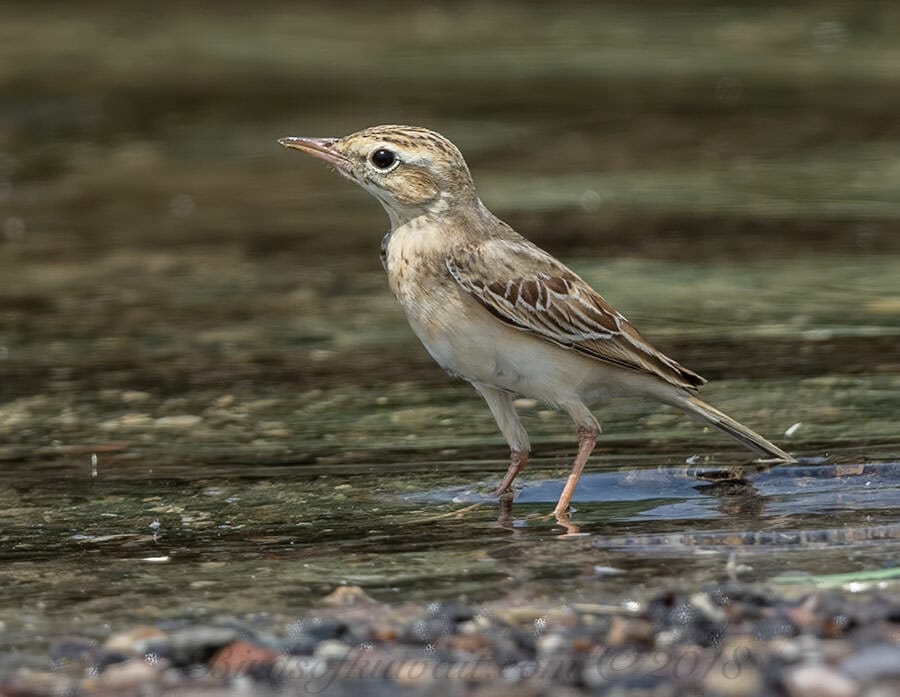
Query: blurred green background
{"points": [[726, 175]]}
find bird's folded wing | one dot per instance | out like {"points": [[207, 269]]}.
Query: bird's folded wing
{"points": [[527, 288]]}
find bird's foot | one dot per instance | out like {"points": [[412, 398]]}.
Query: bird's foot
{"points": [[563, 520]]}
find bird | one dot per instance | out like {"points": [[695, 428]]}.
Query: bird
{"points": [[498, 311]]}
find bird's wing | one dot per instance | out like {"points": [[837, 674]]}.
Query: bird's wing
{"points": [[527, 288]]}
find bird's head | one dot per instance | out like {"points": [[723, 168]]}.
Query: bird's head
{"points": [[410, 170]]}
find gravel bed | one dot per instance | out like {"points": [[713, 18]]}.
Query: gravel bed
{"points": [[725, 640]]}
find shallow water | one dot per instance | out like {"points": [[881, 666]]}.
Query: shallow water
{"points": [[210, 403]]}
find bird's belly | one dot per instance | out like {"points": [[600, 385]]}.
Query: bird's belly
{"points": [[468, 341]]}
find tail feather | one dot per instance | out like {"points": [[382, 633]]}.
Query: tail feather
{"points": [[743, 435]]}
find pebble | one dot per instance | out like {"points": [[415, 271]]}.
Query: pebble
{"points": [[730, 676], [413, 671], [452, 612], [674, 644], [321, 629], [192, 645], [873, 662], [818, 680], [550, 644], [299, 667], [133, 673], [134, 641], [626, 630], [347, 595], [467, 644], [178, 422], [240, 657], [133, 396], [300, 644], [332, 650], [133, 420], [73, 649]]}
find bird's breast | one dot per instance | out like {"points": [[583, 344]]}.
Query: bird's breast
{"points": [[413, 257], [432, 301]]}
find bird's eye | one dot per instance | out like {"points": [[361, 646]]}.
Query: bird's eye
{"points": [[383, 158]]}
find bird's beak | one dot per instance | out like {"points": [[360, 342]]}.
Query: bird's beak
{"points": [[323, 148]]}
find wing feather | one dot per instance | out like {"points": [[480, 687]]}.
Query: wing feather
{"points": [[527, 288]]}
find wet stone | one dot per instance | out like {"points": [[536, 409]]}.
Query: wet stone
{"points": [[873, 662], [818, 680], [777, 626], [729, 676], [347, 595], [653, 653], [107, 658], [73, 650], [427, 630], [321, 629], [466, 644], [241, 657], [332, 650], [134, 641], [177, 422], [192, 645], [131, 674], [300, 644], [453, 612], [244, 630]]}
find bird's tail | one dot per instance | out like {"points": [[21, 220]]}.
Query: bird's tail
{"points": [[743, 435]]}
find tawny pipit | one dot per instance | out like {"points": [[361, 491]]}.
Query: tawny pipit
{"points": [[498, 311]]}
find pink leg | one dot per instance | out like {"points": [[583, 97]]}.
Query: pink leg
{"points": [[587, 438], [518, 459]]}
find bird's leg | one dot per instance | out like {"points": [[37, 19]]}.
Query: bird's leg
{"points": [[587, 439], [500, 403], [517, 460]]}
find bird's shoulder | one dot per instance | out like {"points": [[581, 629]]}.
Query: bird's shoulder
{"points": [[513, 273]]}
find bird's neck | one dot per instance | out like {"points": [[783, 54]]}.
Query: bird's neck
{"points": [[468, 215]]}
